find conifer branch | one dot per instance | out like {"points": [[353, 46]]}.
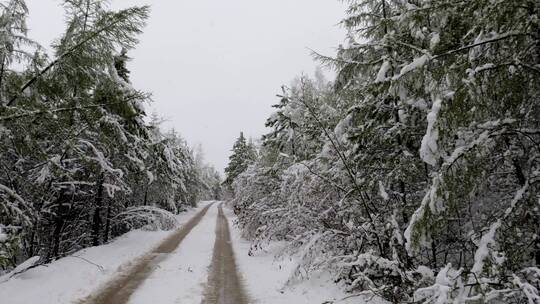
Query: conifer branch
{"points": [[69, 52]]}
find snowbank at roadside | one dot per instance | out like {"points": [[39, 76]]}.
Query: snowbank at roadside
{"points": [[265, 277], [76, 276]]}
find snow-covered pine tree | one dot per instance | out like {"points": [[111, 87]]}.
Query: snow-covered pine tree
{"points": [[243, 154]]}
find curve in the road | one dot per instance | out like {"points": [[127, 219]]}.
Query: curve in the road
{"points": [[224, 284], [122, 287]]}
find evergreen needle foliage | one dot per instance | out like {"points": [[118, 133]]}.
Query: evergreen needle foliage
{"points": [[415, 174], [78, 163]]}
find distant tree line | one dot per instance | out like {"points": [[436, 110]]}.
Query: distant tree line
{"points": [[414, 175], [79, 164]]}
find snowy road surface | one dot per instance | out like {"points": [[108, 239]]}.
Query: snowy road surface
{"points": [[224, 285], [124, 285], [175, 272], [204, 261]]}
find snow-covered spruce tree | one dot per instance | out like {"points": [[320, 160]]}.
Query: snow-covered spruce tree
{"points": [[243, 153]]}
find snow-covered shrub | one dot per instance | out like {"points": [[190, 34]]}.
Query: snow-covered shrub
{"points": [[147, 218], [10, 243]]}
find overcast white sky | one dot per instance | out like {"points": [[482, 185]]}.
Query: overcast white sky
{"points": [[213, 66]]}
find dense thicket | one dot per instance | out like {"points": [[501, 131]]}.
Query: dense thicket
{"points": [[78, 162], [414, 175]]}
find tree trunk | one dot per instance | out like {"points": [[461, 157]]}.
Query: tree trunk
{"points": [[434, 254], [2, 68], [58, 225], [145, 196], [107, 223], [537, 253], [32, 241], [96, 220]]}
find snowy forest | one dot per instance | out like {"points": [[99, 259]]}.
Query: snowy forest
{"points": [[414, 175], [407, 167], [80, 161]]}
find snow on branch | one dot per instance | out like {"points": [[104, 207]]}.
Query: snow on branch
{"points": [[440, 292], [24, 266], [530, 291], [482, 252], [102, 160], [488, 239], [429, 148], [19, 206], [413, 234]]}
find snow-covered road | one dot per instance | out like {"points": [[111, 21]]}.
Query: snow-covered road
{"points": [[158, 277], [204, 261], [176, 271], [224, 285]]}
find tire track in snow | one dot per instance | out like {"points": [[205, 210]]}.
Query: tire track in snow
{"points": [[224, 284], [119, 290], [182, 277]]}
